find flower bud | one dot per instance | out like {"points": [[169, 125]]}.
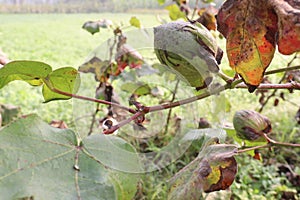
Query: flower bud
{"points": [[251, 125], [108, 123]]}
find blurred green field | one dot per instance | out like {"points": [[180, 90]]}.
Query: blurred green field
{"points": [[59, 40]]}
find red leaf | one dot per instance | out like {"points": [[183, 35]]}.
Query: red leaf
{"points": [[250, 30], [253, 28], [289, 25]]}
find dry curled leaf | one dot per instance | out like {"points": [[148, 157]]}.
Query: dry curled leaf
{"points": [[127, 56], [214, 169], [101, 69]]}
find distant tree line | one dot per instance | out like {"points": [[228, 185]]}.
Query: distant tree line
{"points": [[74, 6]]}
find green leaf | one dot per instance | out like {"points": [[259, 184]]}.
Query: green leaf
{"points": [[65, 79], [174, 12], [113, 152], [39, 161], [91, 26], [206, 133], [146, 70], [30, 71], [134, 21], [214, 169], [38, 73], [161, 2], [232, 134], [136, 88], [8, 113]]}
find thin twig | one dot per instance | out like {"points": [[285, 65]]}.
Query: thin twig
{"points": [[286, 69], [94, 100], [124, 122], [271, 143], [111, 49], [76, 168], [205, 94], [195, 9], [93, 119], [170, 110], [264, 86], [276, 143], [253, 148]]}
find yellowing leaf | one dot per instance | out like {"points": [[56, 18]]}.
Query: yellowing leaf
{"points": [[253, 28], [100, 68], [161, 2], [65, 79], [135, 22], [250, 29], [31, 72], [175, 12]]}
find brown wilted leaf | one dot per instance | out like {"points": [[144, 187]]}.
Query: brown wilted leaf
{"points": [[207, 17], [127, 56], [214, 169], [101, 69], [59, 124]]}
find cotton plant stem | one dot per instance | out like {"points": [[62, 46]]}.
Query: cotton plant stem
{"points": [[286, 69], [275, 71], [205, 94], [276, 143], [94, 100], [170, 110], [253, 148], [292, 85], [271, 143], [195, 9], [93, 120]]}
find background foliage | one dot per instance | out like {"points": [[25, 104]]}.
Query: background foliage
{"points": [[256, 180]]}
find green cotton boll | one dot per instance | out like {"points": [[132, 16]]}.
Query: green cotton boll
{"points": [[189, 50], [251, 125]]}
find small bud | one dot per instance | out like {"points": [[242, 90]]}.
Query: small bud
{"points": [[203, 123], [251, 125], [108, 123]]}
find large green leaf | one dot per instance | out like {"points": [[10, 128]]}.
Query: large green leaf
{"points": [[38, 73], [39, 161], [30, 71], [65, 79]]}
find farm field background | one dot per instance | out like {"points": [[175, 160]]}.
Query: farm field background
{"points": [[59, 40]]}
